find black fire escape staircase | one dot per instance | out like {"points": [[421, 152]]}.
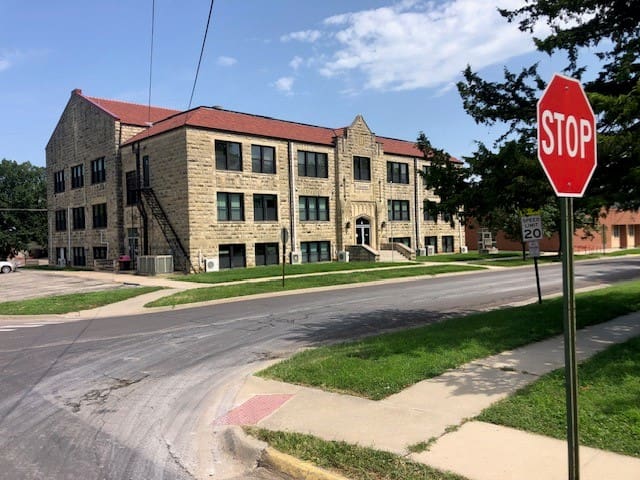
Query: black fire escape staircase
{"points": [[151, 200]]}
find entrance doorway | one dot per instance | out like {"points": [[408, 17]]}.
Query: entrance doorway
{"points": [[363, 231]]}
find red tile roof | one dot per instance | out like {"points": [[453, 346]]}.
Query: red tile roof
{"points": [[164, 119], [236, 122], [129, 113]]}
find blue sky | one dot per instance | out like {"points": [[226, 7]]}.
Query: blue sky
{"points": [[394, 62]]}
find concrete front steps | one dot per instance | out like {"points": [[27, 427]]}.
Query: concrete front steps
{"points": [[392, 256]]}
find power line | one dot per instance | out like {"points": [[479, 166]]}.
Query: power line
{"points": [[204, 40], [153, 21]]}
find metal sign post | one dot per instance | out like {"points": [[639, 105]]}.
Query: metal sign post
{"points": [[531, 233], [285, 237], [567, 150], [534, 251], [569, 320]]}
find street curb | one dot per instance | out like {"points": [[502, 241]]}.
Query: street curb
{"points": [[254, 453], [246, 449], [295, 467]]}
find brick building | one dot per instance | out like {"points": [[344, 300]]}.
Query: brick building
{"points": [[214, 188], [616, 229]]}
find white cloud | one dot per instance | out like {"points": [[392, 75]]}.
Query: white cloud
{"points": [[284, 84], [296, 62], [4, 64], [419, 44], [302, 36], [226, 61]]}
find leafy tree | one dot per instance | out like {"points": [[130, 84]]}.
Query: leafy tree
{"points": [[445, 178], [22, 190], [612, 30]]}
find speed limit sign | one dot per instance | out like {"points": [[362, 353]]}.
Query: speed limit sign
{"points": [[531, 228]]}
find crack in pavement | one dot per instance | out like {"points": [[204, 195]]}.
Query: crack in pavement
{"points": [[100, 396]]}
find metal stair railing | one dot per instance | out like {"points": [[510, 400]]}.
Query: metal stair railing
{"points": [[168, 231]]}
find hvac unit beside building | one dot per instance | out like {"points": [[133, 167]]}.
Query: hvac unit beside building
{"points": [[464, 249], [295, 258], [431, 250], [343, 256], [211, 265], [155, 264], [422, 252]]}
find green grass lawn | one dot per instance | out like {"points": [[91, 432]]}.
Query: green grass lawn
{"points": [[296, 283], [608, 402], [239, 274], [379, 366], [351, 461], [74, 302]]}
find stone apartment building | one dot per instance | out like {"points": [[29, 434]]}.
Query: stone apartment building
{"points": [[214, 188]]}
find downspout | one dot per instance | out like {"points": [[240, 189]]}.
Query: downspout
{"points": [[417, 201], [292, 200], [145, 221]]}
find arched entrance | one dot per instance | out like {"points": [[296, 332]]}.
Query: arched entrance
{"points": [[363, 231]]}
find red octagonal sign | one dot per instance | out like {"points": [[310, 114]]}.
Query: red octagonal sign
{"points": [[566, 136]]}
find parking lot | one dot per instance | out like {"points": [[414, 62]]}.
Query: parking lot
{"points": [[26, 283]]}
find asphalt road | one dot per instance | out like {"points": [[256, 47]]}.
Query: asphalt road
{"points": [[135, 397]]}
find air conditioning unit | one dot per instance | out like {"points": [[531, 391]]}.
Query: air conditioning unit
{"points": [[343, 256], [464, 249], [431, 250], [422, 252], [155, 264], [211, 265], [296, 258]]}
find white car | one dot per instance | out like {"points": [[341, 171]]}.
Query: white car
{"points": [[7, 267]]}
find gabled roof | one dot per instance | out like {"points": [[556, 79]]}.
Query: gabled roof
{"points": [[236, 122], [129, 113], [214, 118]]}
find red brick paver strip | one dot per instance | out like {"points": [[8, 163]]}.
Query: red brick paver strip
{"points": [[253, 410]]}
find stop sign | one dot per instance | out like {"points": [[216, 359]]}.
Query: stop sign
{"points": [[566, 136]]}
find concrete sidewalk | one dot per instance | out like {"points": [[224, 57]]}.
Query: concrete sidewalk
{"points": [[439, 409]]}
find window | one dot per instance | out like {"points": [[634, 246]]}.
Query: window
{"points": [[433, 242], [312, 164], [315, 252], [446, 217], [361, 168], [61, 255], [132, 188], [263, 159], [428, 213], [58, 181], [232, 256], [77, 215], [98, 171], [398, 210], [447, 243], [79, 259], [397, 172], [228, 155], [230, 207], [406, 241], [313, 208], [267, 254], [100, 215], [265, 207], [616, 231], [61, 220], [77, 176], [99, 253]]}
